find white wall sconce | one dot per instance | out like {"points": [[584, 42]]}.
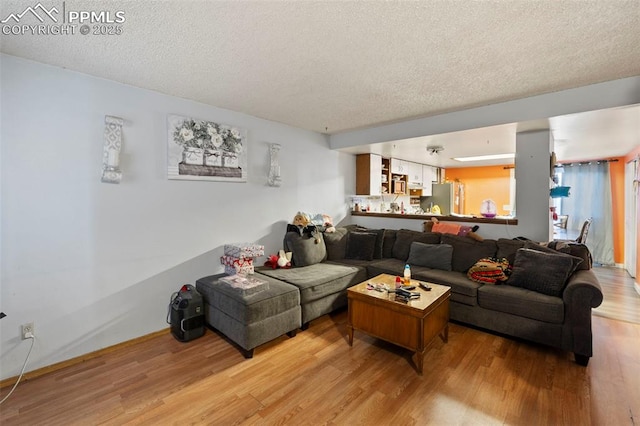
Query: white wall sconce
{"points": [[274, 169], [112, 145]]}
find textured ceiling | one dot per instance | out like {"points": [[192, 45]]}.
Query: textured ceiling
{"points": [[337, 66]]}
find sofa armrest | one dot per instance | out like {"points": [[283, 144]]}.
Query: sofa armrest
{"points": [[582, 293], [583, 290]]}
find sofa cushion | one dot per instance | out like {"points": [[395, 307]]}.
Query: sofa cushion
{"points": [[508, 248], [336, 243], [361, 245], [318, 280], [437, 256], [533, 246], [405, 237], [391, 266], [388, 240], [574, 249], [467, 251], [306, 249], [522, 302], [458, 281], [546, 273]]}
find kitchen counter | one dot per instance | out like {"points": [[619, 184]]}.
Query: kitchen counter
{"points": [[426, 216]]}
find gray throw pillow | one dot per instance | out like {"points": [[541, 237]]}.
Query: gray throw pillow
{"points": [[361, 245], [508, 248], [305, 249], [435, 256], [388, 241], [405, 237], [377, 251], [545, 273], [534, 246], [336, 243], [574, 249]]}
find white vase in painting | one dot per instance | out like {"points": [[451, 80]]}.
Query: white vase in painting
{"points": [[230, 160], [193, 155], [212, 157]]}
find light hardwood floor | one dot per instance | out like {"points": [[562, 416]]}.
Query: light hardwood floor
{"points": [[477, 378], [621, 300]]}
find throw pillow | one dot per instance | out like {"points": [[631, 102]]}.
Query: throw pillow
{"points": [[574, 249], [380, 235], [405, 237], [429, 226], [389, 240], [361, 245], [533, 246], [306, 249], [489, 270], [446, 228], [336, 243], [545, 273], [435, 256], [507, 248]]}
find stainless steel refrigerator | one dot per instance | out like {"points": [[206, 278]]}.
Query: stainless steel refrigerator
{"points": [[448, 196]]}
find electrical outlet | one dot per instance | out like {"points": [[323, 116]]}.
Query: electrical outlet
{"points": [[27, 330]]}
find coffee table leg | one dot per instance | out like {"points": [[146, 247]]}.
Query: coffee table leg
{"points": [[419, 358], [350, 331], [445, 333]]}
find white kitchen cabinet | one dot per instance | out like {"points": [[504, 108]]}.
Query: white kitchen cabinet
{"points": [[415, 174], [399, 167], [429, 175]]}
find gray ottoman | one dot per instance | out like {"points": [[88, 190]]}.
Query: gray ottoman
{"points": [[254, 319]]}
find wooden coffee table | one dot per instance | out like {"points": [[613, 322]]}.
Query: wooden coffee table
{"points": [[411, 325]]}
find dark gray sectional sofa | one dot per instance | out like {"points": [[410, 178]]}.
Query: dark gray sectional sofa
{"points": [[537, 303]]}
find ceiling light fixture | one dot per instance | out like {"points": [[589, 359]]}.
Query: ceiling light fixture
{"points": [[486, 157], [435, 149]]}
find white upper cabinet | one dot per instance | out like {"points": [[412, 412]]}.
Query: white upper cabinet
{"points": [[376, 175], [415, 174], [429, 175], [399, 167]]}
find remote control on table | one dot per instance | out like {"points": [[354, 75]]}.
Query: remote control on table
{"points": [[424, 287]]}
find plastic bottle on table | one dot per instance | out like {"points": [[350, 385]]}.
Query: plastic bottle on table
{"points": [[407, 274]]}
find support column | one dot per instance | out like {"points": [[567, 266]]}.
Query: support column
{"points": [[533, 181]]}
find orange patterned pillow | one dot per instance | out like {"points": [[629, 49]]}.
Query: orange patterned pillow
{"points": [[489, 270]]}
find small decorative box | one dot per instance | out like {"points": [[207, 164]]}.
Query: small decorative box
{"points": [[242, 270], [241, 250], [237, 265], [236, 261], [246, 286]]}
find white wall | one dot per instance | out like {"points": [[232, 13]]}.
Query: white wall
{"points": [[94, 264]]}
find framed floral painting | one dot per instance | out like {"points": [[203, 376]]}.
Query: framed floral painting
{"points": [[205, 150]]}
